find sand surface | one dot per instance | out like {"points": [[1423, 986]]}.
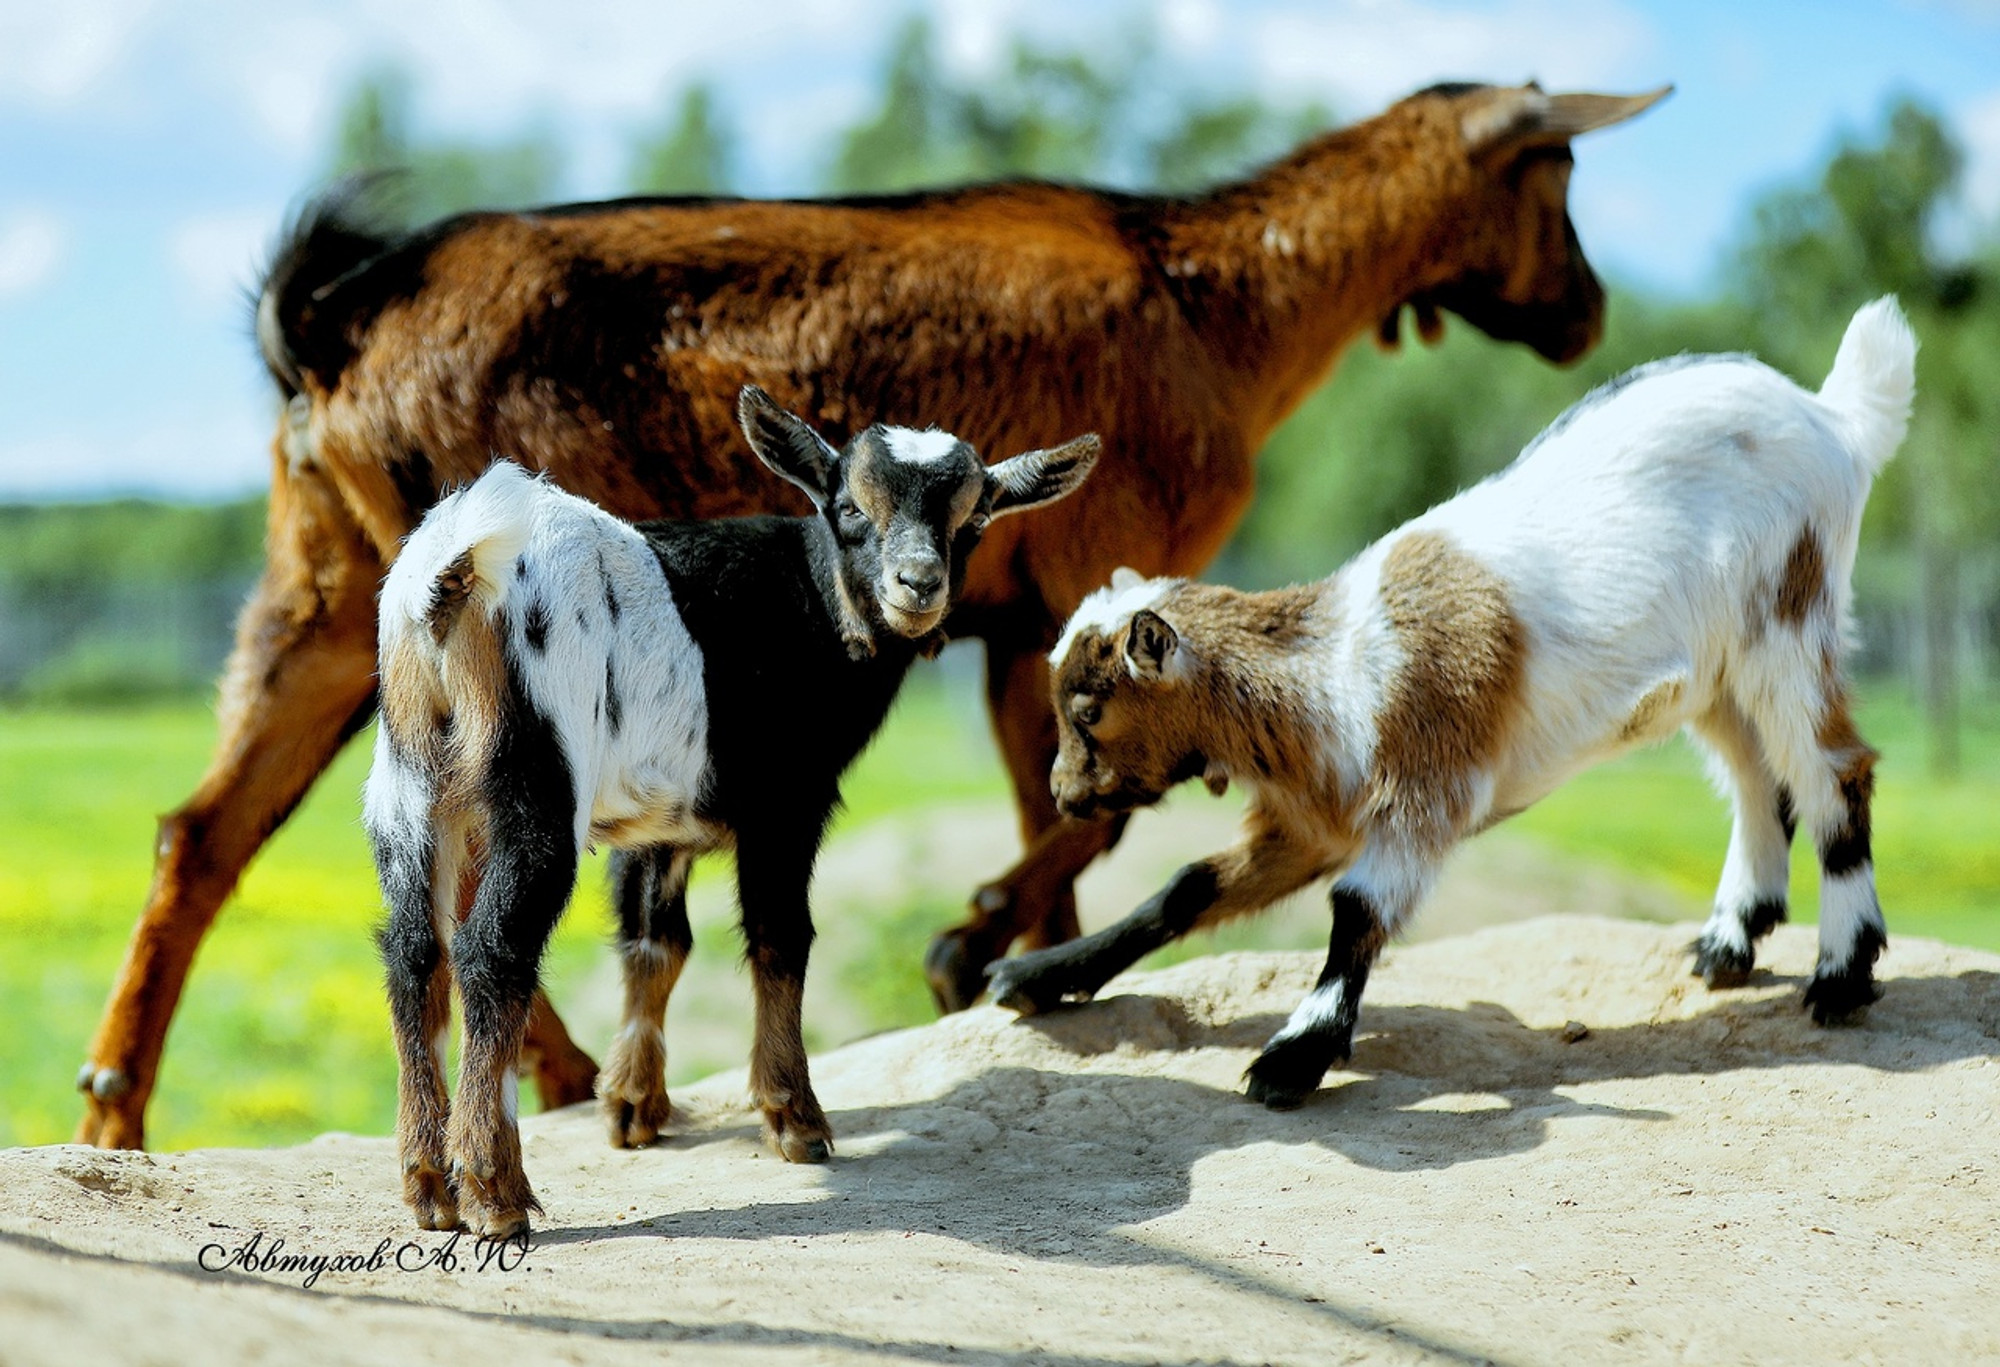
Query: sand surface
{"points": [[1701, 1177]]}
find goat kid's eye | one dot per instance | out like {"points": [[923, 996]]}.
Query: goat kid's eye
{"points": [[1087, 713]]}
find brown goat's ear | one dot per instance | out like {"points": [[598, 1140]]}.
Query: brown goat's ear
{"points": [[786, 443], [1511, 119], [1038, 477], [1149, 644]]}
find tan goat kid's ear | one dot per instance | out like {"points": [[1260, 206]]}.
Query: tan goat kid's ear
{"points": [[1515, 118], [1149, 644], [1037, 477], [787, 444], [1125, 577]]}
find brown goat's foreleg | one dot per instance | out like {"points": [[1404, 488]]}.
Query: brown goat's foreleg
{"points": [[299, 682], [1035, 901], [772, 878], [564, 1074], [649, 889]]}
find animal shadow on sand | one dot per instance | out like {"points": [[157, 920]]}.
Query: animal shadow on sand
{"points": [[997, 1161]]}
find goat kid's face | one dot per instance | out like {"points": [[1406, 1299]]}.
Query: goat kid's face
{"points": [[1525, 277], [906, 508], [1128, 716]]}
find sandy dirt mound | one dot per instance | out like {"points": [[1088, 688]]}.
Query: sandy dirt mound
{"points": [[1699, 1177]]}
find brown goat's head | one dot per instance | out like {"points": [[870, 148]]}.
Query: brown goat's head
{"points": [[1523, 275], [903, 509], [1129, 718]]}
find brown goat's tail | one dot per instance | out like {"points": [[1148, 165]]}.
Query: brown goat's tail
{"points": [[333, 236]]}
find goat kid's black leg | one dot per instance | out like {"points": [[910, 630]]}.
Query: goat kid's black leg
{"points": [[649, 891], [773, 874], [419, 982], [496, 954], [1320, 1033], [1046, 978]]}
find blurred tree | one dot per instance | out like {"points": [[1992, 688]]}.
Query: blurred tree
{"points": [[1116, 116], [693, 156], [1867, 226], [430, 179]]}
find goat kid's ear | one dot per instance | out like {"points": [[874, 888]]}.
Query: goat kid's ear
{"points": [[1125, 577], [1149, 644], [787, 444], [1037, 477]]}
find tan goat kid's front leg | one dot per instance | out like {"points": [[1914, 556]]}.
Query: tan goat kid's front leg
{"points": [[1268, 862]]}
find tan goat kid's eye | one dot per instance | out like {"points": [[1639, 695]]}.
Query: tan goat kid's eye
{"points": [[1085, 710]]}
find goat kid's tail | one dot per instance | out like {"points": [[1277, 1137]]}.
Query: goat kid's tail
{"points": [[440, 671], [458, 557], [1873, 380]]}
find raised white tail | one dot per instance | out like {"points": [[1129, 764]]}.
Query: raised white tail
{"points": [[1873, 380]]}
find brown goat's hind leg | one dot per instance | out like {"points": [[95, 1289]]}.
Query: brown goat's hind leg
{"points": [[564, 1074], [300, 681], [1035, 901]]}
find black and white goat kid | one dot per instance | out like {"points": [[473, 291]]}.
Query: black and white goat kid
{"points": [[552, 676]]}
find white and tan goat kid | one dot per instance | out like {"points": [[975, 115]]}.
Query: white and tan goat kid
{"points": [[1673, 552]]}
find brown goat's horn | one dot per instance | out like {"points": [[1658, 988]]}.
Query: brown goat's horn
{"points": [[1526, 117]]}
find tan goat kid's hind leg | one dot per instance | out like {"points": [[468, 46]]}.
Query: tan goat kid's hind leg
{"points": [[1751, 897], [649, 890]]}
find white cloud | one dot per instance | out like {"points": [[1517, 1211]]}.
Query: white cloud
{"points": [[32, 248], [62, 55], [220, 453], [1979, 128], [216, 256], [1366, 53]]}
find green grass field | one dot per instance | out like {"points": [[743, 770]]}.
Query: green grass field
{"points": [[284, 1033]]}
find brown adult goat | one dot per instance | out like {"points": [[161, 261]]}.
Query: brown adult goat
{"points": [[605, 344]]}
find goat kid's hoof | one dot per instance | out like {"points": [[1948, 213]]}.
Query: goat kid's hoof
{"points": [[955, 981], [637, 1122], [1842, 999], [429, 1195], [495, 1206], [1017, 991], [1283, 1076], [1723, 966]]}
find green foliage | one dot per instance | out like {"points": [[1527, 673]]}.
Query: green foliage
{"points": [[691, 156], [1055, 115], [429, 179], [53, 547]]}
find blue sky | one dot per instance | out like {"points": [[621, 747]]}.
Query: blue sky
{"points": [[149, 150]]}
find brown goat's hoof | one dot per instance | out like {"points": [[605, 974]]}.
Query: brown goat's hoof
{"points": [[565, 1080], [955, 980], [114, 1118], [796, 1138]]}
